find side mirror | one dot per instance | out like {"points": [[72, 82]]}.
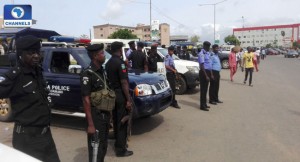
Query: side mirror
{"points": [[75, 69]]}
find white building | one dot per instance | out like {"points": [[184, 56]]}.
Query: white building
{"points": [[277, 35]]}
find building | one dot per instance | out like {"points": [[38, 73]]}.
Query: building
{"points": [[1, 22], [142, 31], [277, 35]]}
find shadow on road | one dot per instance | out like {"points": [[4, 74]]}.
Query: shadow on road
{"points": [[192, 91], [68, 122], [143, 125], [191, 104]]}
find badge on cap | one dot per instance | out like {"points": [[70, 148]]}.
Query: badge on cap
{"points": [[1, 79]]}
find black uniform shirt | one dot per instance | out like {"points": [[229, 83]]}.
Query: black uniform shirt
{"points": [[184, 55], [153, 59], [116, 70], [90, 82], [138, 59], [27, 92]]}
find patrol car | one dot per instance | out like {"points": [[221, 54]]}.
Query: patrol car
{"points": [[150, 92]]}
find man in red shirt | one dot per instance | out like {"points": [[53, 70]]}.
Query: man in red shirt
{"points": [[232, 63]]}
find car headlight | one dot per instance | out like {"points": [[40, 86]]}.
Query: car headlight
{"points": [[143, 90], [194, 69]]}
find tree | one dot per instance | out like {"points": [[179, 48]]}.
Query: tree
{"points": [[269, 45], [195, 38], [296, 44], [232, 40], [122, 34]]}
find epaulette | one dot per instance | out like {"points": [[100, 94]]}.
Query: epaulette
{"points": [[13, 72]]}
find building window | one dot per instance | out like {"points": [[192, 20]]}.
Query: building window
{"points": [[274, 29], [101, 28], [248, 41], [101, 35], [261, 35], [239, 37], [244, 36], [257, 41], [253, 36], [145, 36]]}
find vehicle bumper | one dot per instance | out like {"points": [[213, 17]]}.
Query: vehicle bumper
{"points": [[150, 105], [192, 79]]}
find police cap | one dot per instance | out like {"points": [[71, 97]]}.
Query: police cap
{"points": [[206, 43], [28, 42], [116, 46], [171, 48], [140, 44], [95, 47]]}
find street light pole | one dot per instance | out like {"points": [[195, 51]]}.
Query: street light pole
{"points": [[213, 4], [243, 21]]}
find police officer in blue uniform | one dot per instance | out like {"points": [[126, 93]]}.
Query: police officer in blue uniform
{"points": [[25, 87], [96, 119], [205, 74], [171, 74], [118, 77]]}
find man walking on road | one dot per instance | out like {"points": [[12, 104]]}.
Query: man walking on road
{"points": [[205, 74], [216, 68], [232, 63], [248, 64]]}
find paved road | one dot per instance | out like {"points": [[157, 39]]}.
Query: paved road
{"points": [[259, 123]]}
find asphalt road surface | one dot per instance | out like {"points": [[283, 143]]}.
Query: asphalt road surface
{"points": [[254, 124]]}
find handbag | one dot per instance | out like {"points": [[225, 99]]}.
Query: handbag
{"points": [[103, 99]]}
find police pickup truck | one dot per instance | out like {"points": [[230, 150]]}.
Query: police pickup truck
{"points": [[62, 66]]}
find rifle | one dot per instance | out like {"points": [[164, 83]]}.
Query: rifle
{"points": [[95, 145], [128, 118]]}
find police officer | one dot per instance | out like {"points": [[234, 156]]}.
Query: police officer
{"points": [[171, 74], [138, 58], [118, 76], [26, 88], [153, 58], [130, 50], [96, 119], [205, 74]]}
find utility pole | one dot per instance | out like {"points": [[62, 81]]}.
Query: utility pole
{"points": [[150, 20]]}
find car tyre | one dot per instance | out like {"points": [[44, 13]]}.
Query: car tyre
{"points": [[225, 64], [181, 86], [5, 110]]}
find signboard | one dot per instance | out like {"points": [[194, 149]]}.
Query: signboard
{"points": [[16, 16], [155, 30]]}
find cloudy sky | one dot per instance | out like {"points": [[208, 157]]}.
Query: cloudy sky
{"points": [[186, 17]]}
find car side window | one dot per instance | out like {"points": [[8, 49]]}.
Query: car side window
{"points": [[60, 62]]}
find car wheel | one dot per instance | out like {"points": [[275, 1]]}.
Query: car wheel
{"points": [[181, 86], [5, 110], [225, 64]]}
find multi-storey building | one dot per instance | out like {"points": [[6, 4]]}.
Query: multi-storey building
{"points": [[277, 35], [142, 31]]}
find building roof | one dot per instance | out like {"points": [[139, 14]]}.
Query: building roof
{"points": [[267, 27], [112, 25]]}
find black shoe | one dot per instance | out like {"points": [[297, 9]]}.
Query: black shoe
{"points": [[219, 101], [251, 85], [207, 106], [176, 106], [213, 102], [204, 108], [124, 154]]}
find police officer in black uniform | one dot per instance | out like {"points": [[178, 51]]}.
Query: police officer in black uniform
{"points": [[153, 58], [96, 119], [138, 58], [26, 88], [171, 74], [118, 77], [184, 54]]}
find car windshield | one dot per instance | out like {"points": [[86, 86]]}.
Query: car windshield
{"points": [[164, 52], [86, 60]]}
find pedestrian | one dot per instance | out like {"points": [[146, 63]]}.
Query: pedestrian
{"points": [[216, 68], [177, 51], [171, 75], [263, 53], [248, 64], [205, 74], [232, 63], [118, 76], [153, 58], [96, 119], [25, 86], [138, 58], [129, 51], [184, 54]]}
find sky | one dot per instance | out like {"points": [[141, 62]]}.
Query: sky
{"points": [[188, 17]]}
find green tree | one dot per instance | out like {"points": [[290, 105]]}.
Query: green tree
{"points": [[231, 40], [269, 45], [195, 38], [122, 34], [296, 44]]}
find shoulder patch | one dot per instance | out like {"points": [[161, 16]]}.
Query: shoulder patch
{"points": [[123, 66]]}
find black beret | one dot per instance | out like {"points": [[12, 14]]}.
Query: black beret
{"points": [[206, 43], [131, 42], [95, 47], [116, 45], [28, 42], [140, 44], [171, 48]]}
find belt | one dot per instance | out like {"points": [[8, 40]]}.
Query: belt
{"points": [[31, 129]]}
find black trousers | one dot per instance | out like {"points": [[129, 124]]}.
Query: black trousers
{"points": [[203, 87], [101, 121], [35, 142], [120, 130], [248, 71], [171, 77], [214, 87]]}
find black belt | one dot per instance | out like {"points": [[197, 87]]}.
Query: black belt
{"points": [[31, 129]]}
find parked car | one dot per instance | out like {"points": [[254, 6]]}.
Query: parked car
{"points": [[292, 54], [10, 154], [224, 57]]}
